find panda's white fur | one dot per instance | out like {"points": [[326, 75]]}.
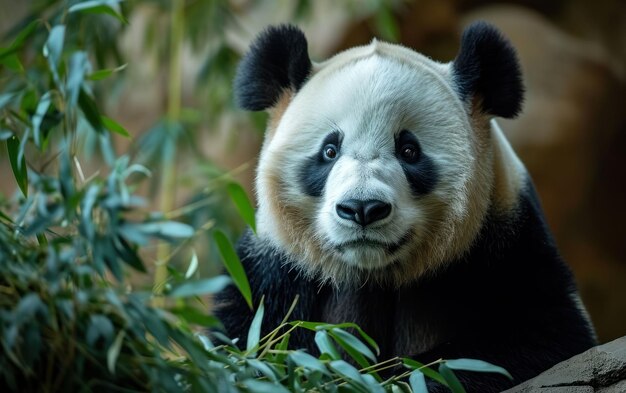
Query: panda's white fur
{"points": [[369, 94]]}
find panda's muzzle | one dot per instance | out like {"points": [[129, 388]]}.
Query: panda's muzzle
{"points": [[390, 248], [363, 212]]}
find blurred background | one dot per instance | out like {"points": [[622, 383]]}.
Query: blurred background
{"points": [[175, 61]]}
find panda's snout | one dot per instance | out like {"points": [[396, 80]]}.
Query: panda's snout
{"points": [[363, 212]]}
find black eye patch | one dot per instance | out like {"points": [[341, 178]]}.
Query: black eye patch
{"points": [[316, 168], [418, 168]]}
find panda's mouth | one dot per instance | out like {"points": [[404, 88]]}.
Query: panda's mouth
{"points": [[363, 242]]}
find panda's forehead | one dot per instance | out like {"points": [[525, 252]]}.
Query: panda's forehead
{"points": [[371, 93]]}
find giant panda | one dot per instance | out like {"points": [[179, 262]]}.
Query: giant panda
{"points": [[388, 196]]}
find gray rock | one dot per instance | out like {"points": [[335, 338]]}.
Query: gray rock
{"points": [[601, 369]]}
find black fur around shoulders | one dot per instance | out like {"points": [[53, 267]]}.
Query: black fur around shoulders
{"points": [[487, 67], [277, 60]]}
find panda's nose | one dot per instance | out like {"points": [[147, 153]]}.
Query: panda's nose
{"points": [[363, 212]]}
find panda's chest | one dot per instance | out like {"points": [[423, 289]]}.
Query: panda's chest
{"points": [[400, 321]]}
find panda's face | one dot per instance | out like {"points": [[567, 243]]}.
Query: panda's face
{"points": [[366, 170]]}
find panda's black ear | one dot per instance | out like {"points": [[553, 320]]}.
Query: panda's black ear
{"points": [[278, 60], [487, 67]]}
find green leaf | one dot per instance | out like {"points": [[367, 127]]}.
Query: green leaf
{"points": [[193, 266], [429, 372], [13, 63], [353, 353], [128, 254], [5, 134], [477, 366], [254, 333], [453, 382], [19, 167], [305, 360], [353, 342], [195, 316], [418, 382], [37, 119], [328, 326], [167, 229], [100, 327], [200, 287], [107, 7], [233, 265], [8, 98], [115, 127], [282, 346], [105, 73], [244, 207], [257, 386], [28, 308], [54, 45], [78, 66], [114, 351], [351, 374], [264, 368], [22, 36], [90, 110], [325, 345]]}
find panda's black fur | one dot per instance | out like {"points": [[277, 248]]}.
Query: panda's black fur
{"points": [[278, 60], [509, 300], [487, 65]]}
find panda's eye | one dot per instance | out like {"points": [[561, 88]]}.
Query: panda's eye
{"points": [[409, 153], [330, 152]]}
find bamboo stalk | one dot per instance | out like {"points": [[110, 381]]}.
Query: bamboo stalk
{"points": [[174, 100]]}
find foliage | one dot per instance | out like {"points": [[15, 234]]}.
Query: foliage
{"points": [[72, 317]]}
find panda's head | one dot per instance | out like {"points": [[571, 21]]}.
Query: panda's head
{"points": [[378, 163]]}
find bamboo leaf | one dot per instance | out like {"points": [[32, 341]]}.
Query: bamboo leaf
{"points": [[256, 386], [37, 119], [78, 67], [13, 63], [114, 351], [453, 382], [114, 126], [352, 352], [282, 346], [90, 110], [19, 40], [353, 342], [195, 316], [244, 207], [254, 333], [477, 366], [105, 73], [19, 167], [317, 326], [233, 265], [305, 360], [201, 287], [264, 368], [54, 45], [351, 374], [429, 372], [418, 382], [108, 7], [325, 345], [193, 266]]}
